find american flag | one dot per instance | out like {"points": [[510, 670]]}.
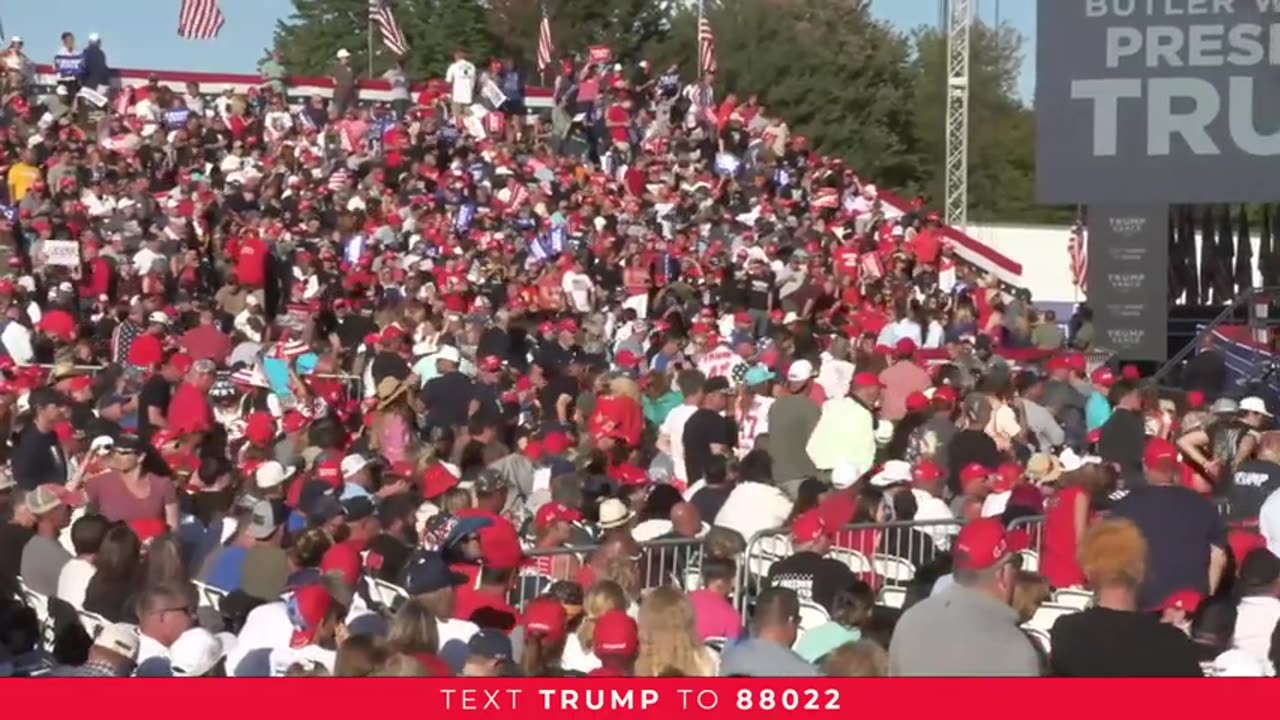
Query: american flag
{"points": [[546, 48], [200, 19], [392, 37], [1078, 249], [706, 46]]}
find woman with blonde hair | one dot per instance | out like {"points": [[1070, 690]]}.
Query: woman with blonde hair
{"points": [[602, 598], [861, 658], [669, 639], [413, 631], [1115, 638]]}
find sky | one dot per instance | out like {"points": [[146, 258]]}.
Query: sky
{"points": [[143, 33]]}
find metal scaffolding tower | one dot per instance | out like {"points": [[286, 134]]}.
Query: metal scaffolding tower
{"points": [[959, 27]]}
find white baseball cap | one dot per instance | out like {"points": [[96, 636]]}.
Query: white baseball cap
{"points": [[158, 317], [344, 53], [15, 40], [1254, 404], [800, 371], [894, 472], [197, 651], [271, 474], [353, 464], [94, 37], [449, 353], [844, 475]]}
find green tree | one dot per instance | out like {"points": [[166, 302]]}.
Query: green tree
{"points": [[837, 75], [626, 26], [433, 29], [1001, 126]]}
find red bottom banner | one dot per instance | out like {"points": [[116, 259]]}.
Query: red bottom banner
{"points": [[534, 699]]}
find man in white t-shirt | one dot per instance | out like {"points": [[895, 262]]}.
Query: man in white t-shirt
{"points": [[578, 287], [1259, 608], [690, 383], [86, 536], [461, 77]]}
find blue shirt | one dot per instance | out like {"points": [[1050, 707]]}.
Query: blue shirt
{"points": [[1097, 411], [1180, 527], [227, 570]]}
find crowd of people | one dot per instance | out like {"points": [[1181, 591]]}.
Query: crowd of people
{"points": [[439, 386]]}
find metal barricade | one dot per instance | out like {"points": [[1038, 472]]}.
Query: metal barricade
{"points": [[669, 561], [884, 555], [1032, 546]]}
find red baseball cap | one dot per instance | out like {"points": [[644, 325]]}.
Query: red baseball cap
{"points": [[627, 359], [1188, 600], [905, 346], [500, 545], [1104, 377], [1094, 436], [1007, 475], [490, 363], [1159, 452], [808, 527], [926, 471], [973, 472], [866, 379], [630, 475], [1195, 400], [946, 394], [293, 421], [1130, 372], [437, 480], [616, 634], [307, 609], [981, 544], [554, 512], [742, 317], [547, 616], [556, 443], [917, 401]]}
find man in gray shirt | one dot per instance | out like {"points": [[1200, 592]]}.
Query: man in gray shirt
{"points": [[767, 653], [43, 556], [968, 629]]}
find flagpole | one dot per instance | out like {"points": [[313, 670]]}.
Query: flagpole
{"points": [[369, 32], [698, 40]]}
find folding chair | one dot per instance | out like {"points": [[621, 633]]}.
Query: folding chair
{"points": [[856, 561], [386, 594], [1030, 560], [892, 597], [1078, 598], [894, 569], [209, 596], [1046, 615]]}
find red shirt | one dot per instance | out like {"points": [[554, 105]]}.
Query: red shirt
{"points": [[1058, 561], [618, 120], [251, 262], [189, 410], [927, 247], [146, 351], [97, 280], [846, 261], [485, 608], [618, 417], [206, 342]]}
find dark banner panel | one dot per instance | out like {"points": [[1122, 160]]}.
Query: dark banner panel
{"points": [[1128, 279]]}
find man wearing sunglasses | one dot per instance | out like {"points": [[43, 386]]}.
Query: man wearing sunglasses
{"points": [[164, 613]]}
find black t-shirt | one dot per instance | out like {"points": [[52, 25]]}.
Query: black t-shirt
{"points": [[1180, 526], [550, 395], [1100, 642], [388, 364], [1250, 485], [448, 397], [155, 393], [969, 446], [812, 576], [757, 289], [709, 499], [38, 458], [1122, 440], [353, 329], [704, 429], [487, 396]]}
